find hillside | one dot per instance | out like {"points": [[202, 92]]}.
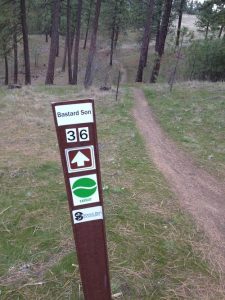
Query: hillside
{"points": [[162, 154], [125, 59], [150, 239]]}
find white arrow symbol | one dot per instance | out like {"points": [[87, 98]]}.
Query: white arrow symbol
{"points": [[80, 159]]}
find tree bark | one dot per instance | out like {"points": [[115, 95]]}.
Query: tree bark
{"points": [[207, 31], [15, 50], [68, 29], [157, 36], [89, 74], [220, 32], [58, 35], [25, 41], [57, 47], [64, 55], [159, 16], [180, 12], [173, 75], [116, 36], [162, 39], [113, 35], [145, 42], [6, 70], [77, 42], [88, 23], [53, 46], [72, 39]]}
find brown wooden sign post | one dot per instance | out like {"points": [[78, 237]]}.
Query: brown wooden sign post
{"points": [[77, 137]]}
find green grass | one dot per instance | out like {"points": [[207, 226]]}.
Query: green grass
{"points": [[154, 248], [56, 90], [194, 116]]}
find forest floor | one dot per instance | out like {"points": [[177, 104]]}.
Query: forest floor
{"points": [[199, 192], [126, 55]]}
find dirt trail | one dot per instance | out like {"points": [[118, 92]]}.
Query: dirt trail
{"points": [[199, 193]]}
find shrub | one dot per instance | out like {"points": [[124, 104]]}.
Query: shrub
{"points": [[206, 60]]}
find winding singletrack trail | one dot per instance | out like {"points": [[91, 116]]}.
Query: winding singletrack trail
{"points": [[199, 193]]}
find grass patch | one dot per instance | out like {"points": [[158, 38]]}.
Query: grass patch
{"points": [[194, 116], [152, 244], [56, 90]]}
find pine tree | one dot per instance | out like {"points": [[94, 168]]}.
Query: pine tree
{"points": [[88, 17], [162, 39], [23, 15], [77, 42], [145, 41], [89, 72], [205, 17], [54, 42], [180, 15], [68, 40]]}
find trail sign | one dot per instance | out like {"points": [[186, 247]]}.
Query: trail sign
{"points": [[80, 159], [77, 137]]}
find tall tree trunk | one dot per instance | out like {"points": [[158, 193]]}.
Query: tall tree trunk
{"points": [[57, 47], [72, 38], [15, 51], [113, 34], [88, 23], [158, 18], [220, 32], [46, 37], [68, 30], [25, 41], [15, 46], [112, 45], [146, 57], [77, 42], [157, 36], [145, 41], [162, 39], [53, 46], [58, 35], [180, 12], [66, 49], [88, 75], [207, 31], [6, 70], [64, 55], [116, 36], [178, 56]]}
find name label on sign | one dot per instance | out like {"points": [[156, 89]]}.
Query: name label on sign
{"points": [[87, 214], [74, 114]]}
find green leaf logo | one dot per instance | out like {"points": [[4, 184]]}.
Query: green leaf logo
{"points": [[84, 187]]}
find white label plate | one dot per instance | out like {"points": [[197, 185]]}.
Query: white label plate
{"points": [[74, 114], [87, 214]]}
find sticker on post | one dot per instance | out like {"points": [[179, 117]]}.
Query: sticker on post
{"points": [[80, 159], [87, 214], [71, 135], [84, 189], [74, 114], [83, 134]]}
